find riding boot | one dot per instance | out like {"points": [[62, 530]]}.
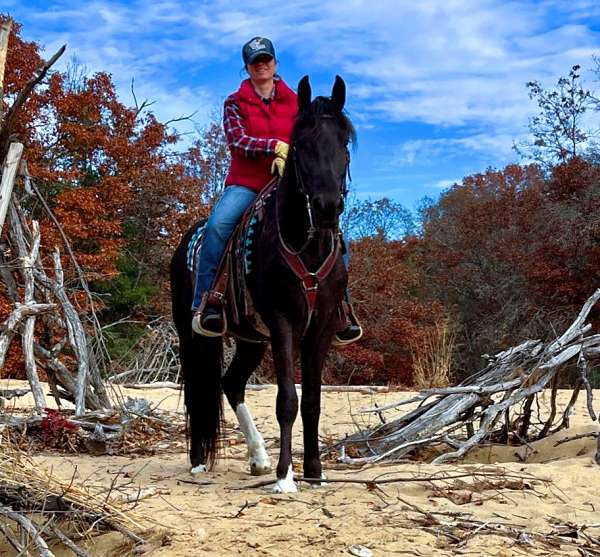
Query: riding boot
{"points": [[209, 319], [350, 330]]}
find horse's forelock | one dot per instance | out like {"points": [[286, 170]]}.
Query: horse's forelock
{"points": [[308, 119]]}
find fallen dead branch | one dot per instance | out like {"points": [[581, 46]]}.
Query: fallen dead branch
{"points": [[459, 528], [28, 526], [364, 389], [494, 404], [7, 394], [137, 428], [153, 359]]}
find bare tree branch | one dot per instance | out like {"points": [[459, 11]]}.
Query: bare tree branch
{"points": [[11, 115]]}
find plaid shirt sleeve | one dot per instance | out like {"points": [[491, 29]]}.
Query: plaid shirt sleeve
{"points": [[237, 138]]}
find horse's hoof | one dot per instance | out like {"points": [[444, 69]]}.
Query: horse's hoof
{"points": [[316, 485], [260, 467], [281, 486], [200, 469], [259, 461], [287, 484]]}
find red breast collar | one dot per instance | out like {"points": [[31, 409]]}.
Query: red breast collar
{"points": [[310, 281]]}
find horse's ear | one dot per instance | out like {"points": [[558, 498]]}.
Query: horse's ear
{"points": [[304, 93], [338, 93]]}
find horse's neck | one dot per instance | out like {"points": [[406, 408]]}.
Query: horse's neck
{"points": [[294, 225]]}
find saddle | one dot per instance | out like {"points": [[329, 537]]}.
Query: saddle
{"points": [[229, 288]]}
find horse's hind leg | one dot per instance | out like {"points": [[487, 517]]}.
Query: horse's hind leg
{"points": [[246, 359]]}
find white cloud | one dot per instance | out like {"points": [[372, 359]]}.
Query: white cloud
{"points": [[444, 184], [425, 152], [453, 63], [138, 41]]}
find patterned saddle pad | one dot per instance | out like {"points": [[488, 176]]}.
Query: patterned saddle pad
{"points": [[193, 249]]}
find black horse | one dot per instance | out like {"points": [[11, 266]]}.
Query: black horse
{"points": [[299, 232]]}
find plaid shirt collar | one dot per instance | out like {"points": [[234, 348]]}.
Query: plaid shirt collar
{"points": [[273, 91]]}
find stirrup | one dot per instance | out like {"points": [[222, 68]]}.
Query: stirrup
{"points": [[199, 314], [352, 325]]}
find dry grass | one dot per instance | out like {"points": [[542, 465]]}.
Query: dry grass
{"points": [[432, 356], [56, 509]]}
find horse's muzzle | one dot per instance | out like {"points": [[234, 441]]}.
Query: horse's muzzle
{"points": [[327, 209]]}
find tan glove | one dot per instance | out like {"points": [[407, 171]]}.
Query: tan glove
{"points": [[281, 152], [281, 149]]}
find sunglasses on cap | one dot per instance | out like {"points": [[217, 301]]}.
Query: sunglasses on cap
{"points": [[262, 59]]}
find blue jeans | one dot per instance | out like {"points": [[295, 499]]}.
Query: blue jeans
{"points": [[225, 215]]}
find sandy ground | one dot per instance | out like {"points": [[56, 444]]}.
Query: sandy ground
{"points": [[223, 515]]}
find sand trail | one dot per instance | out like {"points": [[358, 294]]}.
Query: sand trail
{"points": [[221, 515]]}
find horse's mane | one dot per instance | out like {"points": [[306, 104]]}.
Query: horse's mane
{"points": [[306, 125]]}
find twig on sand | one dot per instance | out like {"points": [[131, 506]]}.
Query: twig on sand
{"points": [[578, 436], [439, 477]]}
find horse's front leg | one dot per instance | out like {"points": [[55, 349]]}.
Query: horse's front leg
{"points": [[248, 356], [287, 402], [313, 352]]}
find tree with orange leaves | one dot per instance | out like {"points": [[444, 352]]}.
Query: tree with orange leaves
{"points": [[109, 172], [513, 253]]}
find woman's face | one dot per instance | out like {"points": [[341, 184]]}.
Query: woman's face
{"points": [[262, 69]]}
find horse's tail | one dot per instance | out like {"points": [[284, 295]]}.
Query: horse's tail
{"points": [[201, 363]]}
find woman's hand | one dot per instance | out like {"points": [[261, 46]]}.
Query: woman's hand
{"points": [[281, 153], [281, 149]]}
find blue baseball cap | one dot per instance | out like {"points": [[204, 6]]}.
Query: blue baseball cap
{"points": [[255, 47]]}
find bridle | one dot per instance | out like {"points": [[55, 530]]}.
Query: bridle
{"points": [[310, 280]]}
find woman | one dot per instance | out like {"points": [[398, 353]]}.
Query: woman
{"points": [[258, 120]]}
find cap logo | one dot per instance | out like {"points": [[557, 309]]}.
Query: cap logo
{"points": [[256, 44]]}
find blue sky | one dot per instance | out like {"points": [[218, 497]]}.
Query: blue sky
{"points": [[436, 89]]}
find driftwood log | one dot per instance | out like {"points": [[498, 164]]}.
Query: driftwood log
{"points": [[495, 403], [52, 334]]}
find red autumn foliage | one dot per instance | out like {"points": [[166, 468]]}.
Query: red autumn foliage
{"points": [[102, 165], [54, 422], [385, 282]]}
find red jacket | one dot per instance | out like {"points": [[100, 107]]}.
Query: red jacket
{"points": [[252, 128]]}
